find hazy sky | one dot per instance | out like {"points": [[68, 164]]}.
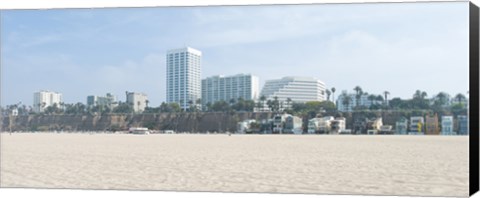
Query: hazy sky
{"points": [[80, 52]]}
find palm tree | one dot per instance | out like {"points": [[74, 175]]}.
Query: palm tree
{"points": [[146, 103], [333, 94], [276, 104], [417, 94], [181, 104], [372, 97], [386, 93], [441, 99], [289, 100], [424, 95], [190, 105], [209, 106], [460, 97], [379, 98], [270, 104], [328, 94], [262, 99], [358, 95], [198, 103]]}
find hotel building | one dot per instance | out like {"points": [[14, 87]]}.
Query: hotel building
{"points": [[298, 89], [109, 100], [137, 100], [183, 76], [44, 99], [218, 88]]}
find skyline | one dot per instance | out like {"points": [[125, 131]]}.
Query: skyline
{"points": [[99, 51]]}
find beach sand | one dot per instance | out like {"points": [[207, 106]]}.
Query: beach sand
{"points": [[320, 164]]}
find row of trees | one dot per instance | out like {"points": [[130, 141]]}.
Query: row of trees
{"points": [[440, 102], [419, 101]]}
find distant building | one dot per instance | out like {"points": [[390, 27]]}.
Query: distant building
{"points": [[447, 125], [218, 88], [320, 125], [137, 100], [183, 76], [293, 124], [364, 101], [401, 126], [463, 125], [108, 100], [279, 122], [416, 125], [431, 125], [44, 99], [338, 125], [298, 89]]}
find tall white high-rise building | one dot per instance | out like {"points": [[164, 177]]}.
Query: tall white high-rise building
{"points": [[44, 99], [184, 76], [217, 88], [298, 89], [137, 100]]}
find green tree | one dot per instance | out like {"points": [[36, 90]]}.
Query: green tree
{"points": [[328, 94], [123, 108], [333, 94], [441, 99], [379, 98], [386, 93], [174, 107], [289, 101], [208, 106], [221, 106], [460, 98], [198, 104], [372, 98], [358, 94], [191, 107], [346, 100]]}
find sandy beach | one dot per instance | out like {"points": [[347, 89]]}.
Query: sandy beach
{"points": [[320, 164]]}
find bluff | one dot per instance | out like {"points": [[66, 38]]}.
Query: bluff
{"points": [[182, 121], [188, 122]]}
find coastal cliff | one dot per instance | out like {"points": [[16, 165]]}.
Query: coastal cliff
{"points": [[188, 122], [183, 121]]}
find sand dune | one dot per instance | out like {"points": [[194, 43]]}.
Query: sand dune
{"points": [[374, 165]]}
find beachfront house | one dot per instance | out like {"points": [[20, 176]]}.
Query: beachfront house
{"points": [[326, 124], [447, 125], [431, 125], [266, 126], [293, 124], [462, 125], [245, 126], [373, 126], [401, 126], [279, 122], [313, 125], [416, 125], [360, 126], [338, 125], [320, 125]]}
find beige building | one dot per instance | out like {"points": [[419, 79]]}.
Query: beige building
{"points": [[138, 101]]}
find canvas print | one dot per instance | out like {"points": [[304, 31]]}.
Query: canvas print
{"points": [[357, 99]]}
